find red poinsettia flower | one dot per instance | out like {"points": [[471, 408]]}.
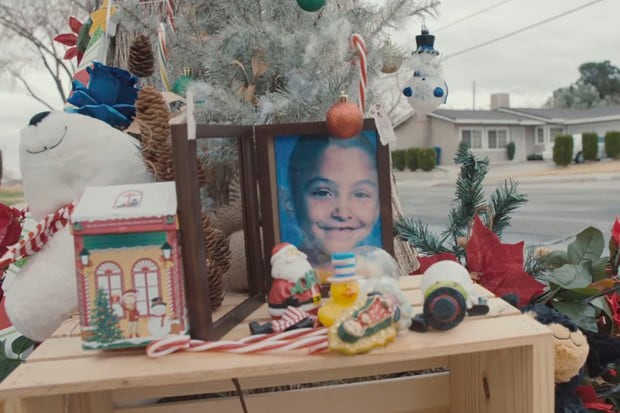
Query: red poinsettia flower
{"points": [[613, 300], [71, 40], [10, 226], [500, 265], [591, 401], [426, 262], [615, 232]]}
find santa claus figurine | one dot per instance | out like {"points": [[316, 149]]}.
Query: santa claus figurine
{"points": [[294, 284]]}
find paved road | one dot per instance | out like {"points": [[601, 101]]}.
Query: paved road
{"points": [[556, 211]]}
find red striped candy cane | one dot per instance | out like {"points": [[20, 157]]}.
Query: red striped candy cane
{"points": [[314, 339], [36, 239], [358, 43], [170, 14]]}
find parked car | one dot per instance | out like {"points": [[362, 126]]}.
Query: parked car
{"points": [[547, 154]]}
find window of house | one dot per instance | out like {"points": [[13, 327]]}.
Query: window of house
{"points": [[472, 137], [553, 132], [540, 136], [109, 277], [146, 281], [497, 138]]}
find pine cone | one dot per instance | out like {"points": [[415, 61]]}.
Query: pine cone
{"points": [[216, 283], [152, 115], [141, 60], [229, 218], [216, 245]]}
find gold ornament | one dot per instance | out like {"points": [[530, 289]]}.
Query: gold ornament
{"points": [[392, 57]]}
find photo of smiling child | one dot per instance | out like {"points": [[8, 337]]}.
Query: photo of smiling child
{"points": [[328, 195]]}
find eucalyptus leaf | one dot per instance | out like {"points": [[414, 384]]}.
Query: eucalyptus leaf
{"points": [[571, 276], [576, 294], [602, 304], [555, 259], [584, 315], [588, 245], [608, 326], [598, 269]]}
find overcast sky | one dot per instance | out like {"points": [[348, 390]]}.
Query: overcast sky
{"points": [[528, 65]]}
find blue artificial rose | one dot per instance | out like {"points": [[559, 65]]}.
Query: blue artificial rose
{"points": [[110, 96]]}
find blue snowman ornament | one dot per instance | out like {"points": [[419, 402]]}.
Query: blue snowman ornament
{"points": [[426, 89], [425, 92]]}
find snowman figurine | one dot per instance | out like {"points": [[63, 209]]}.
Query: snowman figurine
{"points": [[159, 323], [449, 294]]}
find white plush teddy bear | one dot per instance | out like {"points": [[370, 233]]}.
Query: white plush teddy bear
{"points": [[60, 155]]}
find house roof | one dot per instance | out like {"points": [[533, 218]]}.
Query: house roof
{"points": [[482, 117], [568, 116], [528, 116]]}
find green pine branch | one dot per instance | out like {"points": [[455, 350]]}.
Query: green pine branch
{"points": [[469, 191], [417, 234], [470, 199], [504, 201]]}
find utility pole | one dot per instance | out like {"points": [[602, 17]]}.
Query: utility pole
{"points": [[474, 95]]}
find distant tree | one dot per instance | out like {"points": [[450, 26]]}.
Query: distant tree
{"points": [[27, 29], [576, 96], [598, 85], [604, 76]]}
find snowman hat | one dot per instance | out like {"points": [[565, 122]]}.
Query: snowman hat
{"points": [[157, 301], [131, 291], [344, 267], [280, 249]]}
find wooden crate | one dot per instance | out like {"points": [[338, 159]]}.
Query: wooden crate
{"points": [[501, 362]]}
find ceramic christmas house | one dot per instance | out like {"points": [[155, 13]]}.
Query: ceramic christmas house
{"points": [[128, 265]]}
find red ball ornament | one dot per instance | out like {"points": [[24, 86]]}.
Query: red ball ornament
{"points": [[344, 119]]}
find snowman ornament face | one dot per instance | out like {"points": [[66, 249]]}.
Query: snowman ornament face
{"points": [[425, 92], [159, 323]]}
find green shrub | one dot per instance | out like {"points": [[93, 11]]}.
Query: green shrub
{"points": [[612, 144], [399, 159], [412, 158], [534, 157], [589, 143], [510, 150], [427, 158], [563, 150]]}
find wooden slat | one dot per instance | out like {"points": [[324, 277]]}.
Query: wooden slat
{"points": [[409, 282], [122, 396], [49, 404], [138, 371], [500, 381], [71, 347], [415, 394], [65, 347]]}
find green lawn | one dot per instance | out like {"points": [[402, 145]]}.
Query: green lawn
{"points": [[11, 195]]}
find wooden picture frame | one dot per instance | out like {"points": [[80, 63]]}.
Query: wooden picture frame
{"points": [[204, 323], [270, 175]]}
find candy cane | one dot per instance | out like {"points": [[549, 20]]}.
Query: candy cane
{"points": [[314, 339], [170, 14], [358, 43], [36, 239], [162, 53]]}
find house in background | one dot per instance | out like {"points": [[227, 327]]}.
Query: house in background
{"points": [[488, 131]]}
